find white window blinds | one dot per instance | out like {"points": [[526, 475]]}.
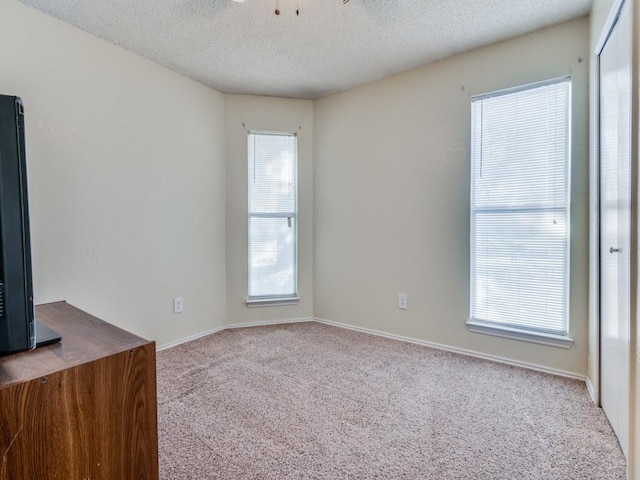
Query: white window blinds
{"points": [[520, 208], [273, 215]]}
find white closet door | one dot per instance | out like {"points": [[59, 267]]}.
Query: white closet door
{"points": [[615, 217]]}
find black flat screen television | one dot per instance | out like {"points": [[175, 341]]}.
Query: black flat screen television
{"points": [[18, 328]]}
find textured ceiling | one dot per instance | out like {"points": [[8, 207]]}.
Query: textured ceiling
{"points": [[329, 47]]}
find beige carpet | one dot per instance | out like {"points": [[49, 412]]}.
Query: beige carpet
{"points": [[310, 401]]}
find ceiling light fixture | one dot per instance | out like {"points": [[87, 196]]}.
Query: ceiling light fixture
{"points": [[277, 11]]}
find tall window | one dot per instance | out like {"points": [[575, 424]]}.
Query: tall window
{"points": [[520, 156], [273, 218]]}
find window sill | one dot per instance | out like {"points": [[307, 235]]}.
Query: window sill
{"points": [[272, 302], [561, 341]]}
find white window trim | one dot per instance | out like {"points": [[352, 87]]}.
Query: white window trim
{"points": [[478, 326], [272, 301], [475, 325]]}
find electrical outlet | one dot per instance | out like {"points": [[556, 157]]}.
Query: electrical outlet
{"points": [[402, 301], [177, 305]]}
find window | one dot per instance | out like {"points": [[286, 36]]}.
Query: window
{"points": [[273, 219], [520, 156]]}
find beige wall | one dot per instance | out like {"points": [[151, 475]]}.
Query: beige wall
{"points": [[244, 113], [126, 177], [138, 188], [391, 173]]}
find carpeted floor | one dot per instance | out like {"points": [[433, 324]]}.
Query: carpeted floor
{"points": [[310, 401]]}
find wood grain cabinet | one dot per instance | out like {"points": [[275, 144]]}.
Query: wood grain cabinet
{"points": [[84, 408]]}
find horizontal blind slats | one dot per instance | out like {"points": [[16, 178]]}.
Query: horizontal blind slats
{"points": [[272, 256], [272, 215], [272, 173], [519, 208]]}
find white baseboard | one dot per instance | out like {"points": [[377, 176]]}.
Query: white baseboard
{"points": [[446, 348], [230, 326], [269, 322], [190, 338], [592, 391], [461, 351]]}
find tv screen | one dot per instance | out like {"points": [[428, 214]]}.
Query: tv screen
{"points": [[18, 329]]}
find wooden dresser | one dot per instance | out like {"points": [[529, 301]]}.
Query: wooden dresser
{"points": [[81, 409]]}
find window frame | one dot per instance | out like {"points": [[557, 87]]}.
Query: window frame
{"points": [[512, 330], [276, 299]]}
